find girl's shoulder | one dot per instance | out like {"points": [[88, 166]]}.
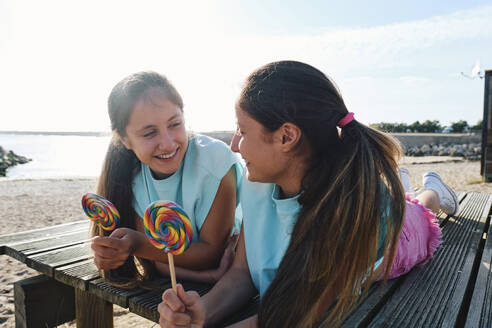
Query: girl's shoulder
{"points": [[211, 155], [202, 142]]}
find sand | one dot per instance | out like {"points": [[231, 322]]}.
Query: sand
{"points": [[30, 204]]}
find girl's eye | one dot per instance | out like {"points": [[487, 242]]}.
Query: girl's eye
{"points": [[149, 134], [175, 124]]}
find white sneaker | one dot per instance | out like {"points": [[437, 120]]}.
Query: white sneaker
{"points": [[405, 180], [448, 200]]}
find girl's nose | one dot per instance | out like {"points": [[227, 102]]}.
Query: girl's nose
{"points": [[166, 142], [235, 143]]}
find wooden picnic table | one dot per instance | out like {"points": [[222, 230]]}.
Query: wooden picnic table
{"points": [[453, 290]]}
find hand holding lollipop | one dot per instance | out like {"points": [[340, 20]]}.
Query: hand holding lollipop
{"points": [[168, 227], [101, 211]]}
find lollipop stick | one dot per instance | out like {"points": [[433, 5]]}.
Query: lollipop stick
{"points": [[172, 273], [101, 234]]}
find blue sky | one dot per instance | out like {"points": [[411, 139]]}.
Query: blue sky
{"points": [[394, 61]]}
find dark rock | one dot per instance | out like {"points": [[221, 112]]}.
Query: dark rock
{"points": [[8, 159]]}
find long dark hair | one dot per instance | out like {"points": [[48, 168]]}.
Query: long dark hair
{"points": [[120, 164], [335, 239]]}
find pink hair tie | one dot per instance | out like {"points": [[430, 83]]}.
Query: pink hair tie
{"points": [[346, 120]]}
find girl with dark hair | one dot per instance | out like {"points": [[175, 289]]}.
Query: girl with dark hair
{"points": [[325, 212], [151, 157]]}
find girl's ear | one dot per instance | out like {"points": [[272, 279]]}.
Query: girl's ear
{"points": [[290, 135], [124, 140]]}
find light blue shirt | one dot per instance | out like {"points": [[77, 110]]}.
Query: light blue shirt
{"points": [[268, 223], [194, 185]]}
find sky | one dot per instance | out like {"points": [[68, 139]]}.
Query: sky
{"points": [[393, 61]]}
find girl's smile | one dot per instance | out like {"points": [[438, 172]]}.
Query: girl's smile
{"points": [[168, 156]]}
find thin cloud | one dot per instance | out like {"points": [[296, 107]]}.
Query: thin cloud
{"points": [[381, 46]]}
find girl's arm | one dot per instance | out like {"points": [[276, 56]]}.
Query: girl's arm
{"points": [[230, 293], [205, 253], [208, 276], [251, 322]]}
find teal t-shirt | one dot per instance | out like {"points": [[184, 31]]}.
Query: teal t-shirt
{"points": [[195, 184], [268, 223]]}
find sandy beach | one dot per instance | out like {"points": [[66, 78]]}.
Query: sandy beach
{"points": [[30, 204]]}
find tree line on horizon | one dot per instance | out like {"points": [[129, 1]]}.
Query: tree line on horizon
{"points": [[428, 127]]}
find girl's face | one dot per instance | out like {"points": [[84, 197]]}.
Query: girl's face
{"points": [[156, 134], [260, 150]]}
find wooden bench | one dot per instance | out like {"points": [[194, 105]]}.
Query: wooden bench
{"points": [[453, 289]]}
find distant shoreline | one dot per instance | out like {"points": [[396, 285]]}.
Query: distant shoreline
{"points": [[53, 133], [96, 134]]}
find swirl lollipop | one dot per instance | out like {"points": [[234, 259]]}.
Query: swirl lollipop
{"points": [[168, 227], [101, 211]]}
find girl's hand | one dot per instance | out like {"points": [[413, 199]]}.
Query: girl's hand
{"points": [[111, 252], [227, 258], [181, 309]]}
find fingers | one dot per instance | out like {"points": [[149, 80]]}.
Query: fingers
{"points": [[225, 264], [188, 298], [120, 233], [173, 301], [109, 253], [107, 264], [169, 318], [232, 242], [228, 257], [181, 309], [111, 246], [103, 251], [106, 241]]}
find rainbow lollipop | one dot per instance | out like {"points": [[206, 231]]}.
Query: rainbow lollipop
{"points": [[168, 227], [101, 211]]}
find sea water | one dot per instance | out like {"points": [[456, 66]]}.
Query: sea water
{"points": [[56, 156]]}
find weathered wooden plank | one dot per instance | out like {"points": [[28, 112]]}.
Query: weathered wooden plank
{"points": [[37, 234], [431, 295], [21, 250], [146, 305], [459, 305], [480, 311], [77, 274], [46, 262], [375, 299], [115, 295]]}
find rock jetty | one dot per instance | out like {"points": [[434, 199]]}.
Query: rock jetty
{"points": [[470, 151], [8, 159]]}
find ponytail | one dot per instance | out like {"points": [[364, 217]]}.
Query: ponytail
{"points": [[334, 242]]}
